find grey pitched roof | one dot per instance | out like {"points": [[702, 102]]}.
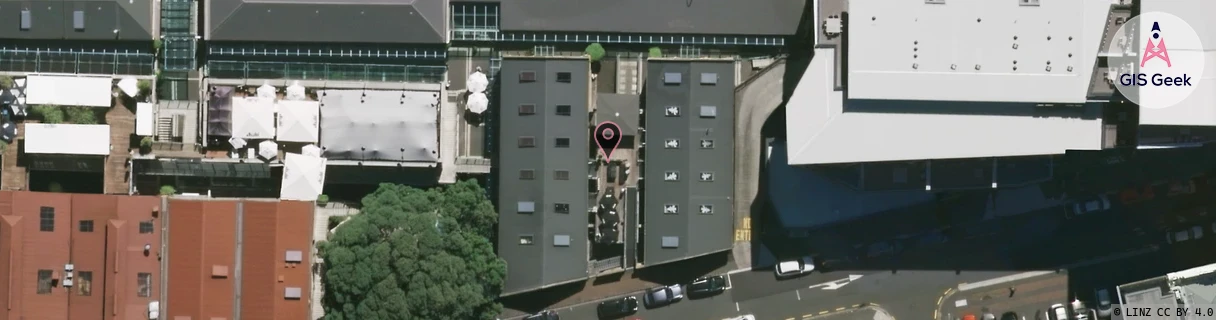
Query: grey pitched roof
{"points": [[679, 84], [528, 206], [621, 109], [349, 21], [50, 19], [755, 17]]}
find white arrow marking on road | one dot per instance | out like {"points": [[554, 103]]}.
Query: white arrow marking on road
{"points": [[836, 284]]}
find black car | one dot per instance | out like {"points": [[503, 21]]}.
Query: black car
{"points": [[707, 286], [617, 308], [1010, 316], [543, 315]]}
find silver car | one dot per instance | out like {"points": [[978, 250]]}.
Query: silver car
{"points": [[661, 296]]}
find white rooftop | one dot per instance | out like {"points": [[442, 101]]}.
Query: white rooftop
{"points": [[1197, 109], [821, 132], [78, 139], [69, 90], [965, 50]]}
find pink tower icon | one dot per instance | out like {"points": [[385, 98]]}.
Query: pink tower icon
{"points": [[1157, 50]]}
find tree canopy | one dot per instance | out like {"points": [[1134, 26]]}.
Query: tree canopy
{"points": [[415, 254], [595, 51]]}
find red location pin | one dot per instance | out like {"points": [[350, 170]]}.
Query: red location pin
{"points": [[608, 137]]}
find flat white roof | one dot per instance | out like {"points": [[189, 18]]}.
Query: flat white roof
{"points": [[821, 132], [69, 90], [83, 139], [1196, 110], [965, 50], [145, 119]]}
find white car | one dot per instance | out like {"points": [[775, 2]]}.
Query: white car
{"points": [[1057, 312], [795, 267], [742, 317]]}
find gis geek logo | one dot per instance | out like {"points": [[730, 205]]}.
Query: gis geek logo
{"points": [[1149, 75]]}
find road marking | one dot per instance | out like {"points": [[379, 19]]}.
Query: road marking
{"points": [[838, 283], [728, 283], [960, 303], [799, 293], [743, 235], [822, 312], [841, 308], [747, 223], [736, 306], [808, 315], [1000, 280]]}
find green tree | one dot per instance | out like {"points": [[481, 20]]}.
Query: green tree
{"points": [[655, 52], [80, 115], [49, 113], [595, 51], [167, 190], [414, 254]]}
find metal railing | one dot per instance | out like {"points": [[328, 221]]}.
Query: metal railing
{"points": [[543, 37], [71, 61], [325, 71]]}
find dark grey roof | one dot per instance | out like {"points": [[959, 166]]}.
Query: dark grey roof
{"points": [[57, 20], [621, 109], [734, 17], [543, 263], [351, 21], [697, 233]]}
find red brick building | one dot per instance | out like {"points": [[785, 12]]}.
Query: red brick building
{"points": [[78, 256], [250, 258]]}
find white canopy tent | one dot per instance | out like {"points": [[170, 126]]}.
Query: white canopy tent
{"points": [[237, 143], [145, 119], [129, 86], [267, 91], [268, 149], [478, 102], [253, 118], [311, 150], [303, 177], [299, 121], [296, 92], [477, 82], [69, 90], [75, 139]]}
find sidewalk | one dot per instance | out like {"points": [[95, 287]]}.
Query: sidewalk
{"points": [[1033, 293]]}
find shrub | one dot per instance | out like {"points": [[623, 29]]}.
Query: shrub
{"points": [[80, 115], [322, 200], [156, 45], [3, 146], [146, 142], [595, 51], [335, 220], [145, 87], [655, 52], [6, 82], [54, 187], [167, 190], [49, 113]]}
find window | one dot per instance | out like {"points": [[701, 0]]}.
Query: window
{"points": [[561, 240], [145, 227], [563, 110], [671, 78], [671, 208], [707, 176], [86, 225], [561, 142], [671, 176], [563, 77], [44, 281], [25, 20], [525, 207], [709, 79], [527, 76], [527, 109], [525, 239], [707, 143], [78, 20], [527, 174], [145, 284], [84, 283], [672, 111], [527, 142], [561, 175], [561, 207], [709, 112], [671, 242], [671, 144], [707, 209], [291, 293], [46, 219]]}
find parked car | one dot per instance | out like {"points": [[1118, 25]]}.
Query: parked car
{"points": [[1010, 316], [1104, 305], [1057, 312], [1079, 310], [617, 308], [795, 267], [1192, 233], [543, 315], [707, 286], [661, 296], [1091, 205]]}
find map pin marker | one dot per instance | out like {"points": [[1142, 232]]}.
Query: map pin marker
{"points": [[608, 137]]}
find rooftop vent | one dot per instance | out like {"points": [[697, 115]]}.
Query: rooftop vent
{"points": [[707, 209], [26, 20], [294, 256], [291, 293], [527, 76], [671, 242], [671, 176], [671, 144], [78, 20], [561, 240], [526, 207]]}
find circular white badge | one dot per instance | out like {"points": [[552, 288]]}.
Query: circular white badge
{"points": [[1155, 60]]}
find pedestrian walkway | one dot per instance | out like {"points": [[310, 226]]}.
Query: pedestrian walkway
{"points": [[320, 232], [864, 313], [1026, 294]]}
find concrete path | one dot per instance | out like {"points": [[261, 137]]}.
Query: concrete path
{"points": [[320, 232], [755, 100]]}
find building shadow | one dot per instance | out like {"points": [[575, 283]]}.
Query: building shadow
{"points": [[683, 271]]}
